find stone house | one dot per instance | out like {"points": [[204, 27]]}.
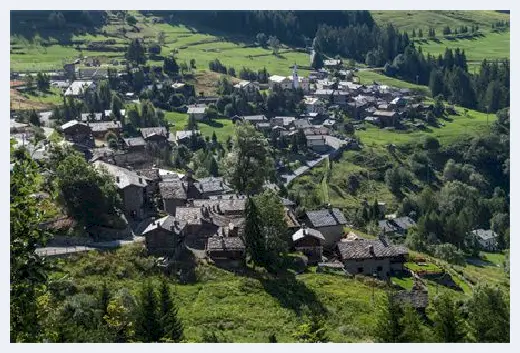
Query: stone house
{"points": [[371, 257], [198, 111], [417, 297], [250, 89], [77, 132], [487, 239], [79, 88], [309, 242], [329, 222], [183, 136], [317, 142], [99, 130], [226, 251], [164, 236], [158, 134], [132, 187]]}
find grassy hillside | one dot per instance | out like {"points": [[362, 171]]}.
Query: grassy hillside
{"points": [[410, 19], [246, 308], [189, 43]]}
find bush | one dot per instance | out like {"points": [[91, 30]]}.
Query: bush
{"points": [[450, 253]]}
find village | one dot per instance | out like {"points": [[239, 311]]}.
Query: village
{"points": [[174, 213]]}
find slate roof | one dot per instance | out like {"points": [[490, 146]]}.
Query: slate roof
{"points": [[387, 226], [225, 243], [302, 123], [149, 131], [227, 197], [70, 124], [484, 234], [152, 174], [197, 109], [324, 92], [307, 232], [225, 205], [14, 125], [135, 141], [254, 118], [404, 222], [168, 223], [190, 215], [287, 202], [105, 126], [417, 298], [283, 120], [77, 86], [123, 177], [182, 134], [172, 189], [213, 184], [360, 249], [326, 218]]}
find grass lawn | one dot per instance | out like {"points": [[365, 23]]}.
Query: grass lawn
{"points": [[368, 77], [495, 258], [491, 46], [407, 20], [461, 125], [427, 267], [223, 127]]}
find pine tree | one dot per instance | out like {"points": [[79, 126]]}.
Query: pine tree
{"points": [[213, 166], [148, 327], [170, 323], [413, 329], [255, 244], [214, 138], [388, 326], [448, 324], [104, 299], [272, 338], [488, 317]]}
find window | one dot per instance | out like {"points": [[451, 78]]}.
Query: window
{"points": [[379, 268], [360, 270]]}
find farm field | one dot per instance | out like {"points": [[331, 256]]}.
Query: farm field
{"points": [[407, 20], [223, 127], [491, 46], [461, 125], [368, 77]]}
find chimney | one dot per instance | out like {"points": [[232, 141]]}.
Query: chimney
{"points": [[140, 180], [117, 179], [176, 222], [329, 206], [371, 250]]}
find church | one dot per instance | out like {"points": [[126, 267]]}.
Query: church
{"points": [[290, 82]]}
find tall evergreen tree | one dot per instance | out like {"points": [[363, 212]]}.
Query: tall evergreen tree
{"points": [[104, 299], [253, 238], [170, 322], [148, 323], [488, 317], [413, 329], [388, 326], [448, 324]]}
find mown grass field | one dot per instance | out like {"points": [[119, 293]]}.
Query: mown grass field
{"points": [[407, 20], [460, 125], [223, 127], [367, 77], [491, 46]]}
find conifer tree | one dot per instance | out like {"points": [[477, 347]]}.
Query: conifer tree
{"points": [[412, 328], [170, 323], [254, 241], [448, 324], [388, 326], [148, 327]]}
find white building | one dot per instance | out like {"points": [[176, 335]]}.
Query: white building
{"points": [[314, 105], [79, 88], [290, 82], [487, 239]]}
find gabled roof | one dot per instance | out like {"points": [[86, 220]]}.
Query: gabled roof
{"points": [[168, 223], [147, 132], [78, 87], [404, 222], [368, 249], [225, 243], [302, 123], [196, 109], [278, 79], [326, 217], [172, 189], [387, 226], [484, 234], [182, 134], [212, 184], [307, 232], [190, 215], [253, 118], [123, 177], [71, 123], [135, 141], [105, 125], [225, 205]]}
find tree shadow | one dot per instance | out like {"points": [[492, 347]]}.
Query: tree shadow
{"points": [[293, 294], [213, 123], [479, 262]]}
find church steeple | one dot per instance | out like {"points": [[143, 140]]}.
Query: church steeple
{"points": [[295, 76]]}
